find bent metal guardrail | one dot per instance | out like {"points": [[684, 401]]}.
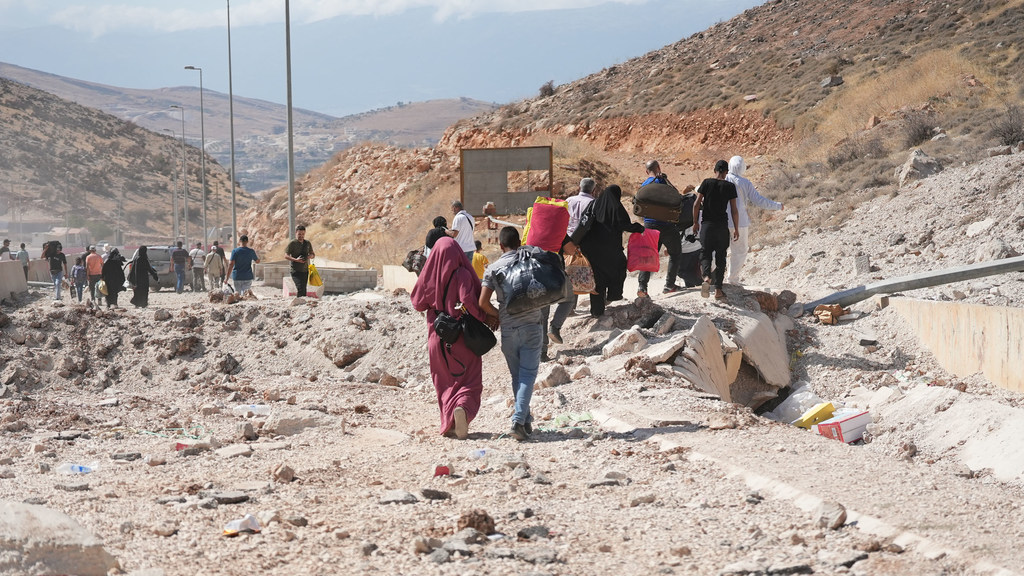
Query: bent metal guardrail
{"points": [[922, 280]]}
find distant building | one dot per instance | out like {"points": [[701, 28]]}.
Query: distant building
{"points": [[68, 237]]}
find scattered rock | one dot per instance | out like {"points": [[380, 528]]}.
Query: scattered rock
{"points": [[432, 494], [283, 473], [478, 519], [398, 497], [831, 515], [552, 375]]}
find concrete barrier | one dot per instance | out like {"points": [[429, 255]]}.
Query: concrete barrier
{"points": [[398, 277], [12, 279], [970, 338], [336, 280]]}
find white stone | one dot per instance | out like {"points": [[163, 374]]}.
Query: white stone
{"points": [[234, 450], [629, 341], [38, 540]]}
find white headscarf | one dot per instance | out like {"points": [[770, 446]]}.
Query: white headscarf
{"points": [[737, 165]]}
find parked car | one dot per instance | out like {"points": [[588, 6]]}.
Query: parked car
{"points": [[160, 259]]}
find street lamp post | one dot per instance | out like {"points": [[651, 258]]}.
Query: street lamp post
{"points": [[231, 122], [291, 140], [174, 196], [184, 166], [202, 136]]}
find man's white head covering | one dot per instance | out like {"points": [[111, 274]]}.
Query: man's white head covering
{"points": [[737, 165]]}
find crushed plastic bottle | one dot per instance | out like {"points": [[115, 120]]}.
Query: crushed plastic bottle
{"points": [[247, 523], [479, 453], [255, 409], [71, 468]]}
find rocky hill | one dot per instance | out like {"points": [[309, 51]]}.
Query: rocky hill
{"points": [[825, 101], [60, 160], [260, 127]]}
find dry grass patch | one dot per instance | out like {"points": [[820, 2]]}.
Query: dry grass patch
{"points": [[938, 73]]}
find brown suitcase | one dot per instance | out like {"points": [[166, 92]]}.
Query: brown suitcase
{"points": [[658, 201]]}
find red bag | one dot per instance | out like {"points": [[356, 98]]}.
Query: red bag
{"points": [[546, 223], [642, 251]]}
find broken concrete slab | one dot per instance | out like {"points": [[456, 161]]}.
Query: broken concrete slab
{"points": [[764, 347], [629, 341], [660, 352], [701, 362]]}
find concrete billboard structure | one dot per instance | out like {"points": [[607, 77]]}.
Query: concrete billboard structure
{"points": [[485, 178]]}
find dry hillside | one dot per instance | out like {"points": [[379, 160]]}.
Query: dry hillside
{"points": [[825, 101], [58, 158]]}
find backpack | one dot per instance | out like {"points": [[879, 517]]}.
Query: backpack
{"points": [[414, 261], [686, 211], [658, 201]]}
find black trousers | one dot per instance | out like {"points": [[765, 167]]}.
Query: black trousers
{"points": [[669, 238], [300, 279], [714, 241]]}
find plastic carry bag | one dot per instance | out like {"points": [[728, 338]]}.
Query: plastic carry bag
{"points": [[102, 287], [533, 280], [642, 251], [546, 223], [579, 272], [314, 276]]}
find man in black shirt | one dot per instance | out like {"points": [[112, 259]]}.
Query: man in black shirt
{"points": [[299, 251], [717, 197]]}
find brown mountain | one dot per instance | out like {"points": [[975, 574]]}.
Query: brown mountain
{"points": [[61, 162], [260, 126], [825, 99]]}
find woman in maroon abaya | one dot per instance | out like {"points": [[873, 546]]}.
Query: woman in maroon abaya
{"points": [[447, 279]]}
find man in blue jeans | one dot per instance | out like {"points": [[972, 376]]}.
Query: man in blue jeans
{"points": [[179, 257], [522, 335], [240, 265]]}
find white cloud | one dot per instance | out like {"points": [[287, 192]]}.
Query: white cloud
{"points": [[98, 19]]}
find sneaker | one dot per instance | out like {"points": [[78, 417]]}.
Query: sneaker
{"points": [[518, 432], [670, 289], [529, 428], [555, 335], [705, 289], [461, 424], [642, 294], [719, 295]]}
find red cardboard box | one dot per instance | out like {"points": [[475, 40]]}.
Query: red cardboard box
{"points": [[845, 425]]}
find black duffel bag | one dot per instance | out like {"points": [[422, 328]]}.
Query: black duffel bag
{"points": [[533, 280]]}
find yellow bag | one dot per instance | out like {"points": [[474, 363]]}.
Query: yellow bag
{"points": [[314, 277], [102, 287]]}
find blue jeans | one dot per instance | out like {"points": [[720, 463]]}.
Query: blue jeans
{"points": [[521, 347], [562, 311], [179, 272], [56, 277], [78, 288]]}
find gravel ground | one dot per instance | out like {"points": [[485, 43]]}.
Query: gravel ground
{"points": [[631, 472]]}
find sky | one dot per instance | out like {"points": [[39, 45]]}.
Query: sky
{"points": [[348, 56]]}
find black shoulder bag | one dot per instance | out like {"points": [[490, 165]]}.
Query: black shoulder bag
{"points": [[477, 336]]}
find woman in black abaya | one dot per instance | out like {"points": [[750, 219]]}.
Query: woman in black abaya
{"points": [[141, 271], [113, 276], [602, 245]]}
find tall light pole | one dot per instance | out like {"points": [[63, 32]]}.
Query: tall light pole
{"points": [[231, 122], [184, 166], [291, 140], [202, 136], [174, 197]]}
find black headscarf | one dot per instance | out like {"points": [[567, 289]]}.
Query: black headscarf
{"points": [[141, 259], [608, 209]]}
